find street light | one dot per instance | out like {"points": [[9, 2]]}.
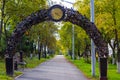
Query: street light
{"points": [[93, 59], [73, 54]]}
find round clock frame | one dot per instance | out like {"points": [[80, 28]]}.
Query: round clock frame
{"points": [[52, 11]]}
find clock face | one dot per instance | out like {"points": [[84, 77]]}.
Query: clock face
{"points": [[56, 13]]}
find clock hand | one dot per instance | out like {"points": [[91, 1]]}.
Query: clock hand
{"points": [[57, 14]]}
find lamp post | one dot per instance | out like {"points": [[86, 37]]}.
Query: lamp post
{"points": [[73, 55], [73, 39], [93, 59]]}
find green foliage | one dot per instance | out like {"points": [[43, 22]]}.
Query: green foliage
{"points": [[66, 35], [81, 39], [17, 10], [14, 11], [106, 15], [45, 33], [32, 63], [83, 6], [107, 19], [3, 75], [26, 45]]}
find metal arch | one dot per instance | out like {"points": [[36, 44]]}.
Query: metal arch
{"points": [[77, 18], [72, 16]]}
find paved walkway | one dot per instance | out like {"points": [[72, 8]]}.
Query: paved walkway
{"points": [[56, 69]]}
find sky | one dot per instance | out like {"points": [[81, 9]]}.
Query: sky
{"points": [[68, 5]]}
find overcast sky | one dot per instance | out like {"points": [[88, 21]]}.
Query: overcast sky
{"points": [[64, 3]]}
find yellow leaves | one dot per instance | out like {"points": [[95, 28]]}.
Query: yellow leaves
{"points": [[107, 17], [83, 7], [80, 32], [103, 20], [45, 31]]}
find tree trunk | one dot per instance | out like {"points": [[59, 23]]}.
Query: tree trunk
{"points": [[118, 51], [39, 55], [2, 19], [118, 67], [40, 50], [45, 52], [70, 53], [5, 31], [2, 16], [118, 61], [78, 49], [113, 45], [78, 53], [113, 57]]}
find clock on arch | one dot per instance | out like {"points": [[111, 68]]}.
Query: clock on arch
{"points": [[56, 13]]}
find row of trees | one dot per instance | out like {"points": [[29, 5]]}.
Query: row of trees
{"points": [[82, 42], [107, 19], [44, 36], [40, 37]]}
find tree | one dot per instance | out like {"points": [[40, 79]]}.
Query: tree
{"points": [[43, 35], [114, 12], [108, 15], [66, 39], [66, 36], [108, 21], [12, 12]]}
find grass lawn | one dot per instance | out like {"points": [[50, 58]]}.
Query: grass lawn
{"points": [[3, 75], [86, 69], [31, 63]]}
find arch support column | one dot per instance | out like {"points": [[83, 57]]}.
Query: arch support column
{"points": [[9, 66], [103, 68]]}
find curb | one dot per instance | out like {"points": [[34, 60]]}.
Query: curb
{"points": [[18, 76]]}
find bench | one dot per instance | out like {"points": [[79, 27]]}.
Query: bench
{"points": [[22, 65], [19, 62]]}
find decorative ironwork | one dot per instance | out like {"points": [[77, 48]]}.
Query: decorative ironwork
{"points": [[77, 18], [72, 16]]}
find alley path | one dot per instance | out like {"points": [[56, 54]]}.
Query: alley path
{"points": [[56, 69]]}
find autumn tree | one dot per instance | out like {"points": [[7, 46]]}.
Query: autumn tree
{"points": [[12, 12], [107, 20]]}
